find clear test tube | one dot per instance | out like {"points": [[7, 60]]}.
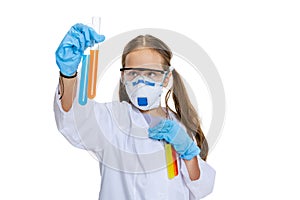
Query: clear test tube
{"points": [[172, 167], [82, 97], [93, 67]]}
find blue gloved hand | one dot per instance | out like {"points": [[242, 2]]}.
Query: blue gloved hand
{"points": [[174, 134], [69, 53]]}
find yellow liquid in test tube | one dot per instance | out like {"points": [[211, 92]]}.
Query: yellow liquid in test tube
{"points": [[172, 167], [93, 71]]}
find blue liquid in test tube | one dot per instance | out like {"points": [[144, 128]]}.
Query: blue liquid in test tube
{"points": [[82, 98]]}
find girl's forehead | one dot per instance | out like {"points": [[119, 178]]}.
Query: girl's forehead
{"points": [[143, 57]]}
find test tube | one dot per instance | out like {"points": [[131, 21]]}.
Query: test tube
{"points": [[172, 167], [93, 68], [82, 98]]}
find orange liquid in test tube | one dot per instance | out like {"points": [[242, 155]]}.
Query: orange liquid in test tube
{"points": [[175, 166], [93, 71]]}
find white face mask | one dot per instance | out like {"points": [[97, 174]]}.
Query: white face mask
{"points": [[144, 93]]}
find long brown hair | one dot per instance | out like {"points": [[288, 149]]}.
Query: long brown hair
{"points": [[185, 112]]}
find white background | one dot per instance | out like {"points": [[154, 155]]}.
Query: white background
{"points": [[255, 46]]}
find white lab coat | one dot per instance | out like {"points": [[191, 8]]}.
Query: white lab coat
{"points": [[132, 166]]}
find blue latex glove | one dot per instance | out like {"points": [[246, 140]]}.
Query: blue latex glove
{"points": [[69, 53], [174, 134]]}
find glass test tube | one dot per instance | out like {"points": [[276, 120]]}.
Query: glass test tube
{"points": [[172, 167], [82, 97], [93, 68]]}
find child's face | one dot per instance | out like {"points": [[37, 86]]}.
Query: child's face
{"points": [[146, 58]]}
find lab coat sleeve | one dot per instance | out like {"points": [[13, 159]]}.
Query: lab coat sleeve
{"points": [[204, 185], [81, 126]]}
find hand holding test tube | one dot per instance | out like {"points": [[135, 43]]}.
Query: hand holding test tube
{"points": [[170, 153]]}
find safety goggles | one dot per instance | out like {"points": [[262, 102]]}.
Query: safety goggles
{"points": [[153, 74]]}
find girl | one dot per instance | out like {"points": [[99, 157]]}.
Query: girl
{"points": [[129, 137]]}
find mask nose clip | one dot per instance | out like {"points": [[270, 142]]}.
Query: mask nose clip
{"points": [[142, 79], [138, 82]]}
